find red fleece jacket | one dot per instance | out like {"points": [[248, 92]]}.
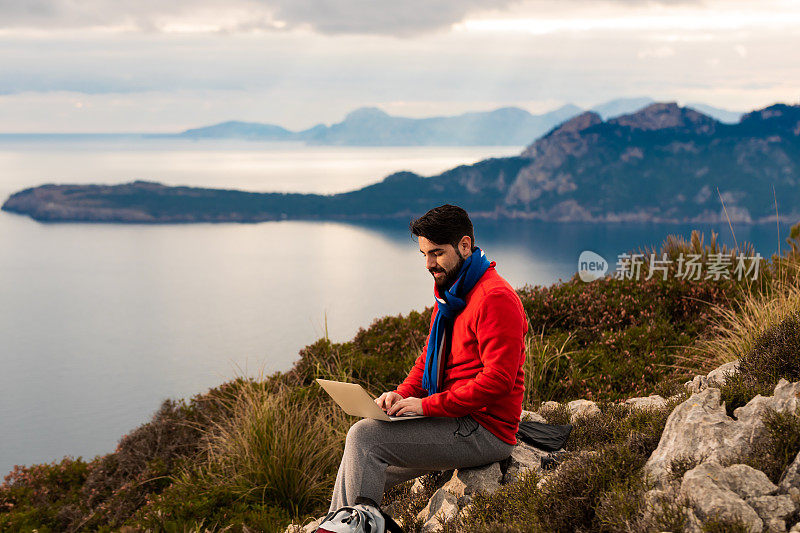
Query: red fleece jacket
{"points": [[483, 375]]}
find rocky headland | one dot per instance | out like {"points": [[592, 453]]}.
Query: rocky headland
{"points": [[663, 163]]}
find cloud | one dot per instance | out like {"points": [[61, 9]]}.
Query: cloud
{"points": [[402, 18], [332, 17]]}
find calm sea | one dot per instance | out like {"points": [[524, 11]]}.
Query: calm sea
{"points": [[100, 323]]}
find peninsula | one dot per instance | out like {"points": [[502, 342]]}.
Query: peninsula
{"points": [[663, 163]]}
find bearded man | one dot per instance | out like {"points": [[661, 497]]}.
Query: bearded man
{"points": [[468, 382]]}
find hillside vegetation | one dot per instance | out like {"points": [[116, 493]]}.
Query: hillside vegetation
{"points": [[255, 454]]}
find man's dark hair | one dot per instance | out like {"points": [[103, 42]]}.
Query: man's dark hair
{"points": [[446, 224]]}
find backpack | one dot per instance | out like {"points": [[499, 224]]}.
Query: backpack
{"points": [[358, 519]]}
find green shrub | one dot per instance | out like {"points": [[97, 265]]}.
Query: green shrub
{"points": [[46, 497], [772, 356], [778, 447]]}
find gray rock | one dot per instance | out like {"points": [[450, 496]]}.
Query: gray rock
{"points": [[718, 376], [524, 457], [548, 406], [533, 416], [747, 482], [581, 408], [649, 402], [699, 428], [791, 478], [697, 384], [442, 506], [692, 524], [773, 510], [794, 494], [392, 509], [307, 528], [785, 399], [712, 500], [417, 486], [465, 482], [715, 378]]}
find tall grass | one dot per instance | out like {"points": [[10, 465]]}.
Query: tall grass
{"points": [[739, 330], [278, 447], [547, 361]]}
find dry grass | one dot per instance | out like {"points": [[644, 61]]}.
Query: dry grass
{"points": [[737, 331], [277, 447], [546, 361]]}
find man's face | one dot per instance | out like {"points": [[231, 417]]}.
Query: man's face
{"points": [[444, 261]]}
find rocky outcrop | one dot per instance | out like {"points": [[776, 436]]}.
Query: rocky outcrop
{"points": [[699, 432], [715, 378], [664, 116], [699, 429], [737, 494]]}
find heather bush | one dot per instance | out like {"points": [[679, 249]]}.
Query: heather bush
{"points": [[46, 497], [597, 487], [777, 448]]}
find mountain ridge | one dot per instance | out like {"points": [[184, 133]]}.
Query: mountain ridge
{"points": [[663, 163], [372, 126]]}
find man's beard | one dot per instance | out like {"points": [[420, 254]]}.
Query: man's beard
{"points": [[450, 275]]}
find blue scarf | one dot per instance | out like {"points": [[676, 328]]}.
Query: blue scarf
{"points": [[449, 305]]}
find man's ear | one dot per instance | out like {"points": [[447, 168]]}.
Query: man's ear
{"points": [[465, 246]]}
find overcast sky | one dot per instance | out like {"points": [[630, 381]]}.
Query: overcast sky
{"points": [[151, 65]]}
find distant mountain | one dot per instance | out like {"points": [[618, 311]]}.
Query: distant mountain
{"points": [[241, 130], [370, 126], [621, 106], [663, 163], [624, 106], [723, 115]]}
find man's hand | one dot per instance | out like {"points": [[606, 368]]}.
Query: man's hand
{"points": [[406, 406], [387, 399]]}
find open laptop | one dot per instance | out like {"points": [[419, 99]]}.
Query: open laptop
{"points": [[357, 402]]}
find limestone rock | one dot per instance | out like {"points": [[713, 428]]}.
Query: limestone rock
{"points": [[719, 375], [524, 457], [748, 482], [648, 402], [417, 486], [791, 478], [700, 429], [549, 406], [773, 510], [581, 408], [308, 528], [698, 384], [465, 482], [533, 416], [692, 524], [715, 378], [795, 528], [442, 506], [704, 487]]}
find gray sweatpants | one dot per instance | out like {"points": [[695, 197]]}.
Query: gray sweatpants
{"points": [[380, 454]]}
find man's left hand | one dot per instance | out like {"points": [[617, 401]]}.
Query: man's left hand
{"points": [[406, 406]]}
